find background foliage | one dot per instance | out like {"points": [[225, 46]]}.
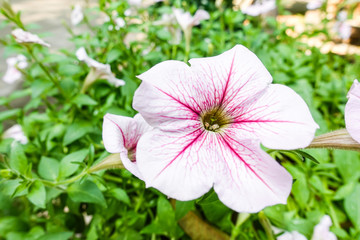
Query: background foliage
{"points": [[45, 192]]}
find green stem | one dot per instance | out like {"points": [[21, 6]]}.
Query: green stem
{"points": [[45, 70], [241, 218]]}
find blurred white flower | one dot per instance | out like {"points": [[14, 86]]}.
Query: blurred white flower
{"points": [[341, 27], [314, 4], [100, 70], [260, 7], [143, 3], [186, 21], [119, 23], [169, 21], [77, 15], [321, 232], [16, 133], [22, 36], [12, 73]]}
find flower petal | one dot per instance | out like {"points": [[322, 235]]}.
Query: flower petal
{"points": [[279, 118], [179, 164], [166, 96], [231, 77], [248, 179], [22, 36], [352, 109], [322, 230], [121, 135]]}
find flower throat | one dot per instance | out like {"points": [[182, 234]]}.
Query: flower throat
{"points": [[215, 119]]}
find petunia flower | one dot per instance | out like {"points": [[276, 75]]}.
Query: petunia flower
{"points": [[321, 232], [186, 21], [352, 109], [98, 70], [169, 21], [209, 120], [260, 7], [22, 36], [12, 73], [77, 15], [16, 133], [314, 4], [342, 27], [121, 135]]}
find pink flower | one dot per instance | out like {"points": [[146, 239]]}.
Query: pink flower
{"points": [[22, 36], [12, 73], [121, 135], [352, 109], [209, 120]]}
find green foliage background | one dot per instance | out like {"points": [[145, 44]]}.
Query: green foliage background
{"points": [[45, 192]]}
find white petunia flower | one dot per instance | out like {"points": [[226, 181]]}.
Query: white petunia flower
{"points": [[22, 36], [12, 73], [77, 15], [16, 133]]}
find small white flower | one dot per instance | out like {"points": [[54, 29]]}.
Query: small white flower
{"points": [[119, 22], [169, 21], [77, 15], [321, 232], [314, 4], [12, 73], [186, 21], [342, 27], [101, 70], [16, 133], [22, 36], [257, 9]]}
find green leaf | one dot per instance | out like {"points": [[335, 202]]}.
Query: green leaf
{"points": [[86, 191], [352, 206], [69, 164], [182, 208], [308, 156], [8, 114], [83, 99], [56, 236], [348, 163], [11, 224], [120, 195], [76, 130], [113, 55], [18, 160], [69, 69], [37, 194], [48, 168]]}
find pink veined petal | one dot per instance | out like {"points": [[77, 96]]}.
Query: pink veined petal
{"points": [[165, 97], [179, 164], [172, 92], [231, 78], [279, 118], [352, 109], [121, 135], [248, 179]]}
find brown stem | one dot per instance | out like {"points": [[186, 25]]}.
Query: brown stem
{"points": [[339, 139], [197, 229]]}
